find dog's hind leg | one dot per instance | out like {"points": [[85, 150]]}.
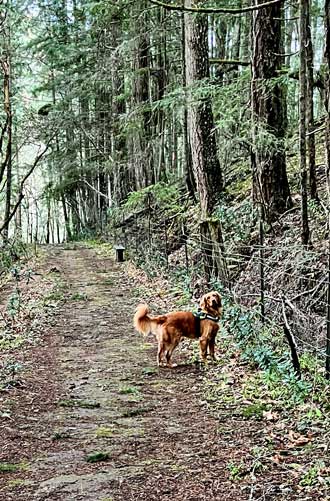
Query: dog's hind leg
{"points": [[161, 353], [169, 350]]}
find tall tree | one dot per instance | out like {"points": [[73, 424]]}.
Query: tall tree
{"points": [[303, 19], [310, 105], [205, 162], [7, 128], [270, 182], [141, 97], [327, 96]]}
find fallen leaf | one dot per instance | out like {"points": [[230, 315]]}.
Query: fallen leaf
{"points": [[270, 416], [297, 440]]}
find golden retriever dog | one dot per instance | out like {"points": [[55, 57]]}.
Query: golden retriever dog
{"points": [[170, 328]]}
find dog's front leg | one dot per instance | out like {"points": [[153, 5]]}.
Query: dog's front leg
{"points": [[203, 348], [211, 348]]}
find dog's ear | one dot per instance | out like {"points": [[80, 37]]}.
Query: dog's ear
{"points": [[204, 302], [219, 299]]}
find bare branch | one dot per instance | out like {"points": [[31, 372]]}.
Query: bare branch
{"points": [[291, 340], [23, 181], [94, 189], [214, 10]]}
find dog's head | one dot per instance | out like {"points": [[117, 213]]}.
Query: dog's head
{"points": [[211, 303]]}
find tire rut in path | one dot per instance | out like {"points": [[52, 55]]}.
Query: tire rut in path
{"points": [[159, 441]]}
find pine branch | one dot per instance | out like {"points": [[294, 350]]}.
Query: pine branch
{"points": [[213, 10]]}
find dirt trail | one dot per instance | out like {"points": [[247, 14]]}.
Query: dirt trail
{"points": [[101, 392]]}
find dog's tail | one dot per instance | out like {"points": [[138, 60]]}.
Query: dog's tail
{"points": [[144, 323]]}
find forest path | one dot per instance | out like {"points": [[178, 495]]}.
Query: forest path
{"points": [[103, 394]]}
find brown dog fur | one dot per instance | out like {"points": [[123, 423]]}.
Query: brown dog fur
{"points": [[170, 328]]}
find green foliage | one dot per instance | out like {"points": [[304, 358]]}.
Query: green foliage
{"points": [[237, 221], [12, 251], [254, 411], [79, 296], [14, 303], [149, 371], [11, 368], [104, 432], [160, 195], [262, 356], [84, 404], [311, 477], [129, 390], [286, 387], [236, 471], [59, 435], [56, 295], [12, 467], [96, 457], [8, 468], [241, 323]]}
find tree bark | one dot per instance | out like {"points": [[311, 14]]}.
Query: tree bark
{"points": [[327, 97], [303, 4], [310, 106], [189, 175], [8, 159], [270, 182], [205, 163], [141, 99]]}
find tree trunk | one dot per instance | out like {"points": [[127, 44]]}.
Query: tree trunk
{"points": [[302, 120], [121, 184], [189, 175], [270, 183], [206, 166], [327, 97], [205, 161], [141, 99], [310, 106], [8, 158]]}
